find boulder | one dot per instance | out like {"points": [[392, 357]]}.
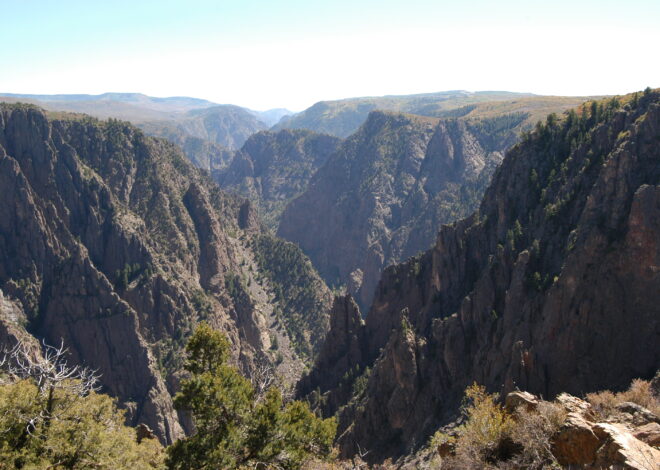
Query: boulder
{"points": [[573, 404], [649, 433], [640, 414], [515, 400], [575, 443]]}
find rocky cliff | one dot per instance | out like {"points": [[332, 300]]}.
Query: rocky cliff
{"points": [[114, 243], [385, 193], [551, 286], [272, 168]]}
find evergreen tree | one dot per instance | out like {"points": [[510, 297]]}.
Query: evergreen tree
{"points": [[235, 428], [52, 417]]}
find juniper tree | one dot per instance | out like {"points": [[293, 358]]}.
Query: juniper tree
{"points": [[237, 426]]}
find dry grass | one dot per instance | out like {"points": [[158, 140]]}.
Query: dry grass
{"points": [[485, 437], [604, 403], [532, 432], [491, 438]]}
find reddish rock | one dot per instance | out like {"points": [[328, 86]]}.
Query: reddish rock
{"points": [[575, 443], [649, 433]]}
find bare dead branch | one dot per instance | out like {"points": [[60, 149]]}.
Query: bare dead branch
{"points": [[49, 370], [262, 377]]}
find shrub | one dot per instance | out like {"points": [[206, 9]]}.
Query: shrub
{"points": [[485, 437], [604, 403], [493, 438], [52, 417], [532, 433]]}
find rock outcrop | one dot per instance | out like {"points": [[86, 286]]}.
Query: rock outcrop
{"points": [[12, 327], [551, 286], [582, 441], [342, 350]]}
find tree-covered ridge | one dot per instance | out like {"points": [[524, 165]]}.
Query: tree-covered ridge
{"points": [[303, 300]]}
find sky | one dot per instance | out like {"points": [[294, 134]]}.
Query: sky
{"points": [[291, 54]]}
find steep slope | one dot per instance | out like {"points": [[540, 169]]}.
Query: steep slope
{"points": [[301, 299], [115, 244], [384, 194], [343, 117], [272, 168], [551, 286]]}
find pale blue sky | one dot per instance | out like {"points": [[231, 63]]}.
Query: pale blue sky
{"points": [[264, 54]]}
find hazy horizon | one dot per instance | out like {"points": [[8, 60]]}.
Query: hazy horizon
{"points": [[9, 94], [292, 54]]}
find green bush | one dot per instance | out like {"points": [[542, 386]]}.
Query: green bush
{"points": [[50, 421], [235, 427]]}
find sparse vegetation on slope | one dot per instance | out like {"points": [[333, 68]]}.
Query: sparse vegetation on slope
{"points": [[272, 168], [557, 264], [534, 434], [303, 300]]}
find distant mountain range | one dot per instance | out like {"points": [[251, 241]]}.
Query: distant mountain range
{"points": [[206, 131], [175, 118], [133, 107], [226, 125], [343, 117]]}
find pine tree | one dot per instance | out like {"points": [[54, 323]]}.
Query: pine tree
{"points": [[52, 417], [236, 428]]}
